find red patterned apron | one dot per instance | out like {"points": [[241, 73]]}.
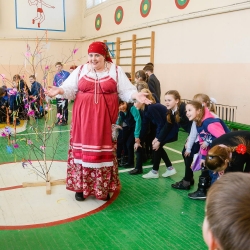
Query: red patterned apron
{"points": [[92, 165]]}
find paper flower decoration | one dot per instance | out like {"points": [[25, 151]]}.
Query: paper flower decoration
{"points": [[3, 134], [29, 142], [31, 113], [75, 50], [58, 115], [241, 149], [2, 76]]}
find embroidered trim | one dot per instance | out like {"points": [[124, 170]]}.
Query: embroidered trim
{"points": [[94, 165]]}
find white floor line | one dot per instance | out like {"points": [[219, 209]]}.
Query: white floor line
{"points": [[171, 149], [149, 166]]}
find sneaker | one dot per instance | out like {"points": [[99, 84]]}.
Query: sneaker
{"points": [[150, 175], [169, 172], [197, 195]]}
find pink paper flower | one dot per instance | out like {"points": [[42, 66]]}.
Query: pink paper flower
{"points": [[27, 54], [3, 134], [75, 50], [2, 76], [58, 115], [31, 113], [13, 91], [42, 147], [29, 142], [7, 130], [15, 145], [46, 67]]}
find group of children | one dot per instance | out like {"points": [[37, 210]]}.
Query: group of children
{"points": [[17, 101], [147, 128], [21, 101]]}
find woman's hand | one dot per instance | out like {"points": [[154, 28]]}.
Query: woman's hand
{"points": [[53, 91], [141, 97], [156, 145]]}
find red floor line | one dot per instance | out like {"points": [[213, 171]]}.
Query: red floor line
{"points": [[10, 188]]}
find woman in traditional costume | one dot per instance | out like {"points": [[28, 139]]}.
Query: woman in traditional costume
{"points": [[95, 86]]}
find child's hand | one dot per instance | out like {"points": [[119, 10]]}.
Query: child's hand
{"points": [[156, 145], [186, 154], [154, 141], [137, 140], [204, 145], [136, 146]]}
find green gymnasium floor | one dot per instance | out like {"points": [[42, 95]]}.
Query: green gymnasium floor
{"points": [[147, 214]]}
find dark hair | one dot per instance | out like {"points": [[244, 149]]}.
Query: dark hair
{"points": [[2, 91], [197, 106], [128, 75], [58, 63], [227, 211], [149, 68], [176, 96], [150, 64], [32, 76], [16, 77], [141, 75]]}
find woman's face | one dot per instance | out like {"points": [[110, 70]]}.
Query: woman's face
{"points": [[192, 113], [96, 61], [171, 102]]}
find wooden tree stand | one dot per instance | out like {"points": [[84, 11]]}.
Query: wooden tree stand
{"points": [[48, 184]]}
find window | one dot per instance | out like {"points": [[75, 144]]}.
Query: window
{"points": [[92, 3]]}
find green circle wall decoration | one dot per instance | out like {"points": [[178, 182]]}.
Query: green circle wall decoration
{"points": [[119, 15], [181, 4], [98, 22], [145, 7]]}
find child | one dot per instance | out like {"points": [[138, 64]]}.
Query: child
{"points": [[147, 112], [230, 153], [140, 75], [226, 225], [208, 128], [192, 145], [61, 103], [176, 116], [36, 97], [130, 134]]}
